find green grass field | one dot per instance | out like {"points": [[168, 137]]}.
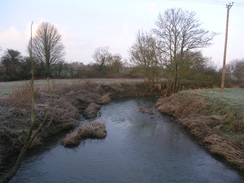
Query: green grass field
{"points": [[231, 100], [229, 105], [231, 96], [7, 88]]}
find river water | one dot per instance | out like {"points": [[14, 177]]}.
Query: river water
{"points": [[139, 147]]}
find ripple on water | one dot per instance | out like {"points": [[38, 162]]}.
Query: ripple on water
{"points": [[138, 148]]}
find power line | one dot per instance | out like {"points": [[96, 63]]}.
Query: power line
{"points": [[239, 4], [214, 2]]}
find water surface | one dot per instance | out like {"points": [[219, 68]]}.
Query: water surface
{"points": [[138, 148]]}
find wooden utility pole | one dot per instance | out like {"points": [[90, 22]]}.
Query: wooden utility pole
{"points": [[228, 6]]}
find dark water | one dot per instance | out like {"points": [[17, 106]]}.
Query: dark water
{"points": [[138, 148]]}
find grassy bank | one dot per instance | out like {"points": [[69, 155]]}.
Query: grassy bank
{"points": [[60, 107], [7, 88], [216, 119]]}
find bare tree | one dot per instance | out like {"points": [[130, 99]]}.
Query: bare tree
{"points": [[47, 47], [101, 56], [179, 32], [144, 53]]}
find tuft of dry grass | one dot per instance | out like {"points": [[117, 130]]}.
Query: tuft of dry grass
{"points": [[21, 97], [181, 105], [94, 129], [104, 99], [227, 149]]}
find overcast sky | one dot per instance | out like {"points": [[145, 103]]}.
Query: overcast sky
{"points": [[88, 24]]}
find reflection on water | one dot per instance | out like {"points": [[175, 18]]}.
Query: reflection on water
{"points": [[138, 148]]}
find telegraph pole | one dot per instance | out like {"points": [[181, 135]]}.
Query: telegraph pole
{"points": [[228, 6]]}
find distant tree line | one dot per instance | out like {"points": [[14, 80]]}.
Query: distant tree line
{"points": [[169, 52], [14, 66], [48, 56]]}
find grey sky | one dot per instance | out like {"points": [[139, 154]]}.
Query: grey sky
{"points": [[86, 25]]}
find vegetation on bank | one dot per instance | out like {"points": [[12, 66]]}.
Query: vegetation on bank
{"points": [[67, 103], [216, 119], [6, 88], [30, 114], [94, 129]]}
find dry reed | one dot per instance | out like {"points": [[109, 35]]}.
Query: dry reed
{"points": [[188, 108], [94, 129]]}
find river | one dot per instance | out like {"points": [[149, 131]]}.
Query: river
{"points": [[139, 147]]}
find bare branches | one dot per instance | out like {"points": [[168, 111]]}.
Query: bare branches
{"points": [[47, 46], [179, 33], [145, 53], [177, 37], [101, 56]]}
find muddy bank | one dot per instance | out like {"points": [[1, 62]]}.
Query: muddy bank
{"points": [[60, 107], [209, 125]]}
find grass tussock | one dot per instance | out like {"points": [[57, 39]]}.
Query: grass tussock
{"points": [[225, 148], [216, 119], [176, 105], [94, 129], [21, 97], [104, 99]]}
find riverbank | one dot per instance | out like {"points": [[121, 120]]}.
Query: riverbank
{"points": [[215, 119], [61, 108], [144, 142], [6, 88]]}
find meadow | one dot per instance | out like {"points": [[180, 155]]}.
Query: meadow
{"points": [[7, 88]]}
